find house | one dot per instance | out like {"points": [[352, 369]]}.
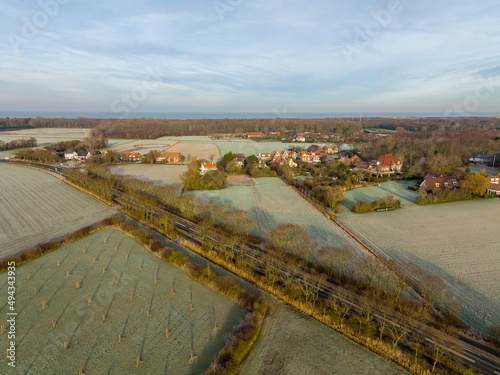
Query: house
{"points": [[315, 157], [130, 156], [355, 160], [207, 167], [330, 150], [265, 156], [493, 185], [255, 135], [274, 133], [482, 159], [284, 154], [171, 157], [388, 164], [443, 183], [292, 154], [239, 159], [73, 155], [70, 155], [291, 163], [315, 148], [299, 139], [83, 155], [304, 157]]}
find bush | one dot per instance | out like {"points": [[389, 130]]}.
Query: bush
{"points": [[143, 236], [78, 234], [4, 263], [173, 256], [200, 273], [227, 286], [127, 227], [110, 221], [385, 202], [156, 246]]}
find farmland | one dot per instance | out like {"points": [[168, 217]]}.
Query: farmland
{"points": [[142, 146], [399, 189], [490, 171], [293, 343], [270, 203], [199, 150], [123, 300], [46, 135], [458, 241], [37, 207], [161, 174]]}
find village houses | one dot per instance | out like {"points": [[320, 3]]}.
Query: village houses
{"points": [[171, 157], [207, 167]]}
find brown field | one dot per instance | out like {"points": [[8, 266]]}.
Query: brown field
{"points": [[198, 150], [143, 146], [240, 179]]}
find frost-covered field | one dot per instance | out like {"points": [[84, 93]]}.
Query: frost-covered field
{"points": [[37, 207], [398, 189], [160, 174], [198, 150], [490, 171], [143, 146], [292, 343], [271, 203], [93, 343], [45, 135], [459, 241]]}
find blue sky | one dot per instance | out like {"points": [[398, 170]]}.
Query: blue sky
{"points": [[250, 56]]}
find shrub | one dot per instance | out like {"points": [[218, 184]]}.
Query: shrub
{"points": [[227, 286], [78, 234], [4, 263], [126, 227], [143, 236], [174, 257], [109, 222], [385, 202], [200, 273], [156, 246]]}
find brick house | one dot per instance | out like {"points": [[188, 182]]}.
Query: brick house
{"points": [[171, 157], [207, 167], [130, 156]]}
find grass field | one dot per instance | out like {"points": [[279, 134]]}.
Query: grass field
{"points": [[292, 343], [93, 337], [45, 135], [490, 171], [459, 241], [37, 207], [271, 203], [160, 174], [143, 146], [198, 150], [239, 179], [398, 189]]}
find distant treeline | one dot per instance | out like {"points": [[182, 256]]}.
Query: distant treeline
{"points": [[148, 128], [17, 143]]}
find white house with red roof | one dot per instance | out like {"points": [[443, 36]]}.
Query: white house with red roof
{"points": [[207, 167]]}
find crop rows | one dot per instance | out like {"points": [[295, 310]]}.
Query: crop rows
{"points": [[457, 241], [126, 301], [37, 207]]}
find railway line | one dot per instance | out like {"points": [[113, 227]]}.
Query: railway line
{"points": [[472, 353]]}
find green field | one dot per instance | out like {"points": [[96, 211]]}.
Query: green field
{"points": [[270, 203], [37, 207], [398, 189], [292, 343], [93, 343], [458, 241]]}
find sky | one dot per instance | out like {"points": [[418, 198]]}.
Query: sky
{"points": [[276, 56]]}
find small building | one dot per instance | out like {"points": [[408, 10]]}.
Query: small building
{"points": [[299, 139], [207, 167], [330, 150], [274, 133], [493, 185], [482, 159], [130, 156], [265, 156], [171, 157], [355, 160], [315, 148], [70, 155], [444, 183], [255, 135], [239, 159], [52, 150]]}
